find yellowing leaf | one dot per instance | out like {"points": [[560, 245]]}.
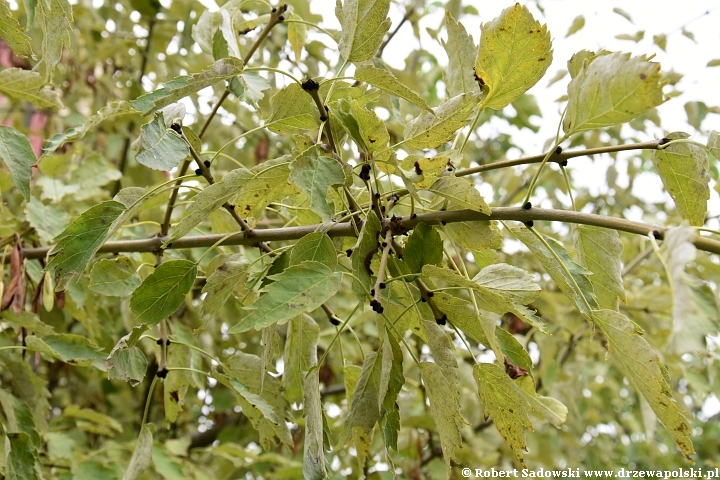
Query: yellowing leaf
{"points": [[364, 24], [362, 255], [292, 108], [461, 51], [550, 408], [365, 402], [477, 236], [460, 193], [142, 456], [298, 289], [445, 409], [222, 283], [600, 251], [623, 14], [515, 52], [684, 170], [386, 81], [611, 89], [296, 36], [163, 291], [268, 184], [713, 144], [431, 130], [642, 366], [13, 33], [28, 85], [577, 24], [185, 85], [504, 404], [479, 326], [300, 355]]}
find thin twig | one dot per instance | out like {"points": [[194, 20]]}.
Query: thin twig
{"points": [[405, 18]]}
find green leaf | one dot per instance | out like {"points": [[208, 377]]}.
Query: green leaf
{"points": [[600, 251], [445, 409], [431, 130], [22, 460], [210, 199], [185, 85], [79, 242], [222, 283], [73, 411], [513, 350], [550, 408], [115, 277], [28, 85], [476, 236], [515, 52], [461, 51], [715, 62], [160, 147], [364, 410], [423, 247], [461, 194], [480, 326], [13, 33], [500, 289], [163, 291], [127, 362], [391, 382], [684, 170], [19, 418], [142, 455], [576, 285], [18, 155], [256, 401], [314, 172], [114, 110], [577, 24], [364, 24], [504, 404], [611, 89], [292, 108], [296, 36], [176, 382], [713, 144], [388, 83], [365, 127], [642, 366], [362, 254], [299, 289], [268, 184], [54, 17], [639, 35], [623, 14], [29, 321], [47, 220], [316, 247], [300, 355], [74, 349]]}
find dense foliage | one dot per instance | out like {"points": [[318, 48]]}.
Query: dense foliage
{"points": [[242, 255]]}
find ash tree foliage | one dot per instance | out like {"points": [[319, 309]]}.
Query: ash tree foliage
{"points": [[230, 252]]}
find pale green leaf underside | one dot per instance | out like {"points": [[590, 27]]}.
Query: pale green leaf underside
{"points": [[460, 193], [314, 173], [461, 52], [114, 277], [54, 17], [611, 89], [142, 456], [362, 254], [430, 130], [268, 184], [316, 247], [161, 147], [515, 52], [387, 82], [600, 251], [185, 85], [685, 173], [292, 108], [12, 32], [642, 365], [163, 291], [364, 24], [299, 289], [221, 284], [18, 155]]}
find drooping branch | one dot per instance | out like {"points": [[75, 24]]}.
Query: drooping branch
{"points": [[347, 229]]}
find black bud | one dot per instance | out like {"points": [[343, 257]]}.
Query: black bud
{"points": [[348, 251], [372, 292], [558, 150], [382, 285], [377, 195], [198, 171], [442, 321], [423, 299], [159, 341], [413, 216], [443, 222], [207, 163], [450, 169], [310, 85], [162, 373], [323, 118], [169, 245], [527, 206], [335, 321], [564, 163], [274, 10], [380, 309], [431, 294], [177, 128], [327, 109], [529, 224], [281, 18], [382, 208], [384, 244], [656, 235], [664, 141]]}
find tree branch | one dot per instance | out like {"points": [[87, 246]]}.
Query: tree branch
{"points": [[346, 229], [405, 18]]}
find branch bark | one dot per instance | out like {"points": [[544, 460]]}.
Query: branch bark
{"points": [[347, 229]]}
